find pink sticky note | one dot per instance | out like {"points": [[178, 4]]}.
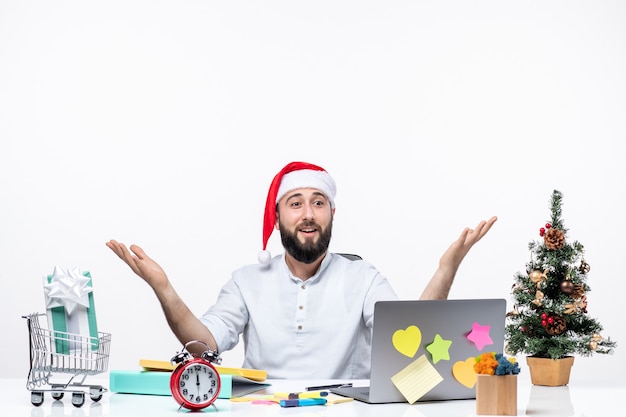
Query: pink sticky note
{"points": [[480, 335], [264, 402]]}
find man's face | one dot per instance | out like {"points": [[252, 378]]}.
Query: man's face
{"points": [[305, 220]]}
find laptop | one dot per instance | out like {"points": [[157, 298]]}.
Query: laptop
{"points": [[428, 347]]}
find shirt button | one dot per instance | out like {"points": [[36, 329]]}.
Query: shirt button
{"points": [[301, 307], [303, 287], [299, 327]]}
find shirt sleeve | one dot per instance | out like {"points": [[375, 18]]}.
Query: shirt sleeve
{"points": [[227, 318], [379, 290]]}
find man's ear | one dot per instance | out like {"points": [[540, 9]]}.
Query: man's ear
{"points": [[277, 223]]}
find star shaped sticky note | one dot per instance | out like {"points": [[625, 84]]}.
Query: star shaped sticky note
{"points": [[439, 349], [480, 335]]}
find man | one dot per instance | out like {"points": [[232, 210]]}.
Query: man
{"points": [[307, 313]]}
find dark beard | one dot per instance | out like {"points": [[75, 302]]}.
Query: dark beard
{"points": [[307, 252]]}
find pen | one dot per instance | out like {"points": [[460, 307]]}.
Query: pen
{"points": [[296, 395], [323, 387], [302, 402]]}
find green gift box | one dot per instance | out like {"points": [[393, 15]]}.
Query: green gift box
{"points": [[71, 311]]}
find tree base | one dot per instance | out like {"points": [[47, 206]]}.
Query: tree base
{"points": [[550, 372]]}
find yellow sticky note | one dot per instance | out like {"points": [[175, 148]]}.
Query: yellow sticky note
{"points": [[416, 379], [154, 365], [336, 399], [407, 341]]}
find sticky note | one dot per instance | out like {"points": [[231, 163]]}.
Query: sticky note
{"points": [[439, 349], [407, 341], [337, 399], [416, 379], [264, 402], [480, 335], [464, 372]]}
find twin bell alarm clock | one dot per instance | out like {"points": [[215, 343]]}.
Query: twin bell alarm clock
{"points": [[195, 383]]}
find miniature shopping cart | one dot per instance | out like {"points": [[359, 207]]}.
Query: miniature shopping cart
{"points": [[53, 352]]}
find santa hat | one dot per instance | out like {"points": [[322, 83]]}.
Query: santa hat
{"points": [[293, 176]]}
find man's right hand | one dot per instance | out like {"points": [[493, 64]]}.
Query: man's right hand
{"points": [[181, 320], [141, 264]]}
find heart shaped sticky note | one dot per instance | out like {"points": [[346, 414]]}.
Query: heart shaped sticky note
{"points": [[407, 341], [464, 372]]}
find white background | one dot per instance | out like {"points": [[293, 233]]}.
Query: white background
{"points": [[161, 123]]}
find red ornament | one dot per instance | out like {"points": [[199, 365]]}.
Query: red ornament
{"points": [[550, 320], [544, 316], [544, 323], [542, 232], [548, 225]]}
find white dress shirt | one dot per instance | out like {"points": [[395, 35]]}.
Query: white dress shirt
{"points": [[315, 329]]}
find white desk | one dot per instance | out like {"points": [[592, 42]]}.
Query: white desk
{"points": [[575, 400]]}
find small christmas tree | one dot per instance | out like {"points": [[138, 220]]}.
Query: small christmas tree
{"points": [[550, 317]]}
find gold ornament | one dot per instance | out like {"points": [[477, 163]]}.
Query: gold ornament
{"points": [[538, 298], [584, 267], [514, 312], [594, 341], [538, 277], [554, 239], [576, 306]]}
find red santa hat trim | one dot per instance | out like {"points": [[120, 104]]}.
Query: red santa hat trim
{"points": [[293, 176]]}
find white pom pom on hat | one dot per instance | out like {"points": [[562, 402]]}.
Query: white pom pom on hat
{"points": [[293, 176]]}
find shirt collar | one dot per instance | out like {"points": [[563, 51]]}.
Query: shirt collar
{"points": [[316, 277]]}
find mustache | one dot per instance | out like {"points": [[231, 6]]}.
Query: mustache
{"points": [[308, 223]]}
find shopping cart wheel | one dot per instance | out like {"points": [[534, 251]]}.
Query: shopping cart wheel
{"points": [[36, 398], [78, 399], [57, 395], [95, 393]]}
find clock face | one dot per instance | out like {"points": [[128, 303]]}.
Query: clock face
{"points": [[195, 385]]}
